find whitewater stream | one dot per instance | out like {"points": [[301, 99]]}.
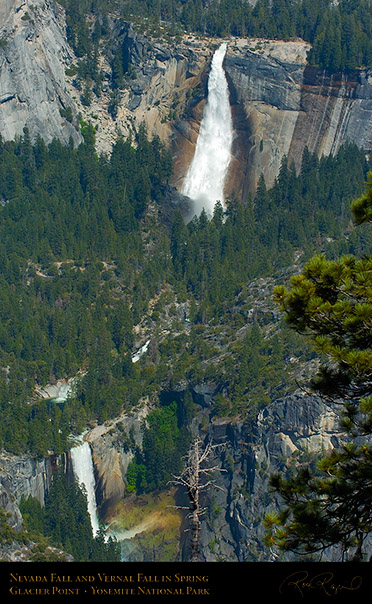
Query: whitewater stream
{"points": [[82, 464], [205, 179], [204, 185]]}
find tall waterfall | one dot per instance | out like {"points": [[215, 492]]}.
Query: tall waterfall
{"points": [[204, 181], [82, 464]]}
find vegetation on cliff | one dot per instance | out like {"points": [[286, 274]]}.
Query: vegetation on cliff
{"points": [[165, 441], [340, 33], [93, 256], [331, 301], [84, 248], [65, 522]]}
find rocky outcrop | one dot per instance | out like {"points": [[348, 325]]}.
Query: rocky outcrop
{"points": [[24, 476], [334, 108], [279, 104], [36, 91], [166, 92], [33, 56], [285, 435], [10, 508], [265, 82], [113, 445], [288, 106], [290, 432], [5, 9]]}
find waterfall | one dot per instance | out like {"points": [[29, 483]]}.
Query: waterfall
{"points": [[82, 464], [204, 181], [136, 357]]}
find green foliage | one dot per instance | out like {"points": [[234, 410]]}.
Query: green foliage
{"points": [[340, 33], [66, 523], [32, 514], [328, 508], [63, 209], [260, 371], [136, 477], [361, 207], [331, 301], [7, 533], [165, 441]]}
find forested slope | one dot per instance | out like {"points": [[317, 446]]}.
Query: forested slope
{"points": [[340, 33], [84, 249], [96, 259]]}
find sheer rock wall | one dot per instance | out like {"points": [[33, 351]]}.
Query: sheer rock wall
{"points": [[279, 104], [283, 436], [33, 57]]}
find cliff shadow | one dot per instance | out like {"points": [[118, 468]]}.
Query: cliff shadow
{"points": [[240, 180]]}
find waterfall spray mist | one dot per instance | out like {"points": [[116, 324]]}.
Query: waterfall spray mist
{"points": [[205, 179]]}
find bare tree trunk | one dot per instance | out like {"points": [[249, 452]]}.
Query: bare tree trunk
{"points": [[195, 479]]}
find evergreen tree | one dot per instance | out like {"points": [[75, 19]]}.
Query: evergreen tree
{"points": [[332, 302], [65, 519]]}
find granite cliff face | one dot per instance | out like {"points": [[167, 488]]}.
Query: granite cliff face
{"points": [[5, 8], [284, 435], [33, 56], [22, 476], [289, 105], [279, 104], [112, 448]]}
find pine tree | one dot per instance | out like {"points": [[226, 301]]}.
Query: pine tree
{"points": [[331, 301]]}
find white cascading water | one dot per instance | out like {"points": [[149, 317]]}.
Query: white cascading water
{"points": [[205, 179], [82, 464], [136, 357]]}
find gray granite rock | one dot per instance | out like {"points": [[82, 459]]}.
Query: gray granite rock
{"points": [[32, 72]]}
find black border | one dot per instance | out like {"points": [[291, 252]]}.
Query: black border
{"points": [[185, 582]]}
